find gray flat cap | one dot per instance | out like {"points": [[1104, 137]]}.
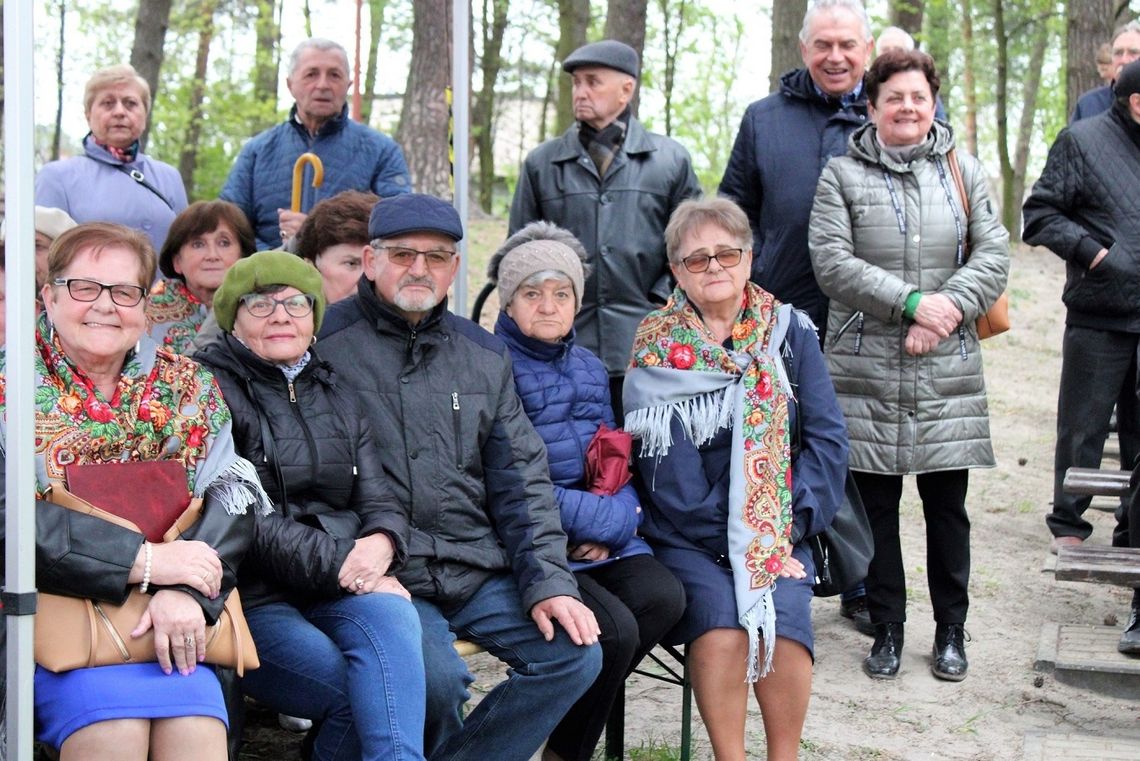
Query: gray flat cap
{"points": [[608, 53]]}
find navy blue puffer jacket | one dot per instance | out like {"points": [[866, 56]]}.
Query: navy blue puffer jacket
{"points": [[565, 391]]}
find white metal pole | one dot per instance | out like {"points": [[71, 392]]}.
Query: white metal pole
{"points": [[20, 571], [461, 115]]}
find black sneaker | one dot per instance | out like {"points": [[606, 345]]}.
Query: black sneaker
{"points": [[1130, 640], [856, 610]]}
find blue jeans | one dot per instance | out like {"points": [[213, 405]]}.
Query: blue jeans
{"points": [[543, 681], [353, 665]]}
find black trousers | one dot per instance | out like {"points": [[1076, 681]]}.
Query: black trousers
{"points": [[1098, 372], [947, 544], [636, 601]]}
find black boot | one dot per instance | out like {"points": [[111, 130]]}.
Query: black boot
{"points": [[883, 662], [856, 610], [1130, 640], [950, 652]]}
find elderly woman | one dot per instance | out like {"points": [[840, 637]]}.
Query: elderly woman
{"points": [[565, 391], [114, 181], [333, 237], [337, 636], [204, 242], [105, 394], [908, 273], [743, 451]]}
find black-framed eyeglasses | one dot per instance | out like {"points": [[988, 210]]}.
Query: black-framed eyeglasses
{"points": [[263, 305], [402, 256], [82, 289], [726, 257]]}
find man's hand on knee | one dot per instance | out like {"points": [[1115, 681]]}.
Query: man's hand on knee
{"points": [[576, 619]]}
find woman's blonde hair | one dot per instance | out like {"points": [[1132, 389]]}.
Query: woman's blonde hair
{"points": [[698, 212], [111, 76]]}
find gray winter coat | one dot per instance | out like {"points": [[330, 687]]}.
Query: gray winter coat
{"points": [[906, 414], [620, 220]]}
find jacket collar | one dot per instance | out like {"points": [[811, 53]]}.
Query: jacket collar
{"points": [[95, 151], [636, 141], [232, 355], [387, 320], [332, 126], [507, 329], [798, 84]]}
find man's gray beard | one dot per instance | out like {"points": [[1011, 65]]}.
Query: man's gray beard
{"points": [[410, 303]]}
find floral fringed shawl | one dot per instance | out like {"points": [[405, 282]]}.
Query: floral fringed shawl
{"points": [[165, 407], [678, 369], [174, 315]]}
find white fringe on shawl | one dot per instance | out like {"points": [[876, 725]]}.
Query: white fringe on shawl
{"points": [[230, 479]]}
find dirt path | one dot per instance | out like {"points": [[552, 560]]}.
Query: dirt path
{"points": [[986, 716]]}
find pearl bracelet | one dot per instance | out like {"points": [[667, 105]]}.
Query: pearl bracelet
{"points": [[148, 556]]}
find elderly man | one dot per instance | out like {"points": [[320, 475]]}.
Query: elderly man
{"points": [[786, 139], [1085, 209], [614, 185], [1125, 49], [487, 552], [783, 144], [355, 157]]}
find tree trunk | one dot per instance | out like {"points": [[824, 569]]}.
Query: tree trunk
{"points": [[58, 133], [266, 61], [307, 12], [188, 160], [1088, 24], [907, 14], [573, 21], [1012, 215], [673, 17], [483, 119], [375, 26], [1001, 106], [939, 22], [969, 81], [151, 22], [625, 22], [423, 131], [787, 18]]}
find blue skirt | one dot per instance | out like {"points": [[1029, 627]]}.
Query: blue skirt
{"points": [[72, 700], [711, 601]]}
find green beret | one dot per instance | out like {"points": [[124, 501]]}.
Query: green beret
{"points": [[266, 268]]}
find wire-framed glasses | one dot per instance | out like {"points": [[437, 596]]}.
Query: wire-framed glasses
{"points": [[82, 289]]}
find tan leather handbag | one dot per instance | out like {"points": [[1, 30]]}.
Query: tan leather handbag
{"points": [[73, 632], [996, 319]]}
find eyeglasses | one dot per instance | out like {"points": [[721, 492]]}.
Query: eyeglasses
{"points": [[261, 305], [84, 290], [403, 256], [728, 257]]}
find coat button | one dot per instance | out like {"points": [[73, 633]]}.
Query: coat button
{"points": [[403, 379], [917, 238], [413, 454]]}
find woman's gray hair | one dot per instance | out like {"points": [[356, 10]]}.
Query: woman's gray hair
{"points": [[855, 6], [698, 212], [540, 230]]}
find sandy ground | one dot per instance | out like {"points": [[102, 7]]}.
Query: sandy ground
{"points": [[918, 717]]}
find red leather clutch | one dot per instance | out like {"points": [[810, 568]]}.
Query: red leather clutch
{"points": [[151, 495]]}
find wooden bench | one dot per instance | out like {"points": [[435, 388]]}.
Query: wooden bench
{"points": [[1099, 564], [1096, 483]]}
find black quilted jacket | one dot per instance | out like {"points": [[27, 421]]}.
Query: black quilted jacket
{"points": [[314, 450], [1086, 200]]}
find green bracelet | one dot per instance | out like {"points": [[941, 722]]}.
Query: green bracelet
{"points": [[911, 304]]}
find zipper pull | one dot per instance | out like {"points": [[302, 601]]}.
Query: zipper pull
{"points": [[292, 393], [455, 400]]}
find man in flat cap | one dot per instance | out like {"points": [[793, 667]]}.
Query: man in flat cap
{"points": [[487, 554], [1086, 210], [614, 185]]}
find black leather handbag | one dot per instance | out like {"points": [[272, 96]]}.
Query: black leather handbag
{"points": [[842, 552]]}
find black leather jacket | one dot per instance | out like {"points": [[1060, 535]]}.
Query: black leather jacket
{"points": [[314, 451]]}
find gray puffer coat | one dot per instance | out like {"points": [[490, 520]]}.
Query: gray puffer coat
{"points": [[870, 249]]}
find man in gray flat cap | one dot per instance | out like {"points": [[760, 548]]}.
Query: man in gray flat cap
{"points": [[614, 185]]}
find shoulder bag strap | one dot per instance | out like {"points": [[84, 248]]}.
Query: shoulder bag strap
{"points": [[140, 178], [960, 184]]}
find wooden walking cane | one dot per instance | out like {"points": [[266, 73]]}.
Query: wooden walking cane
{"points": [[298, 175]]}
